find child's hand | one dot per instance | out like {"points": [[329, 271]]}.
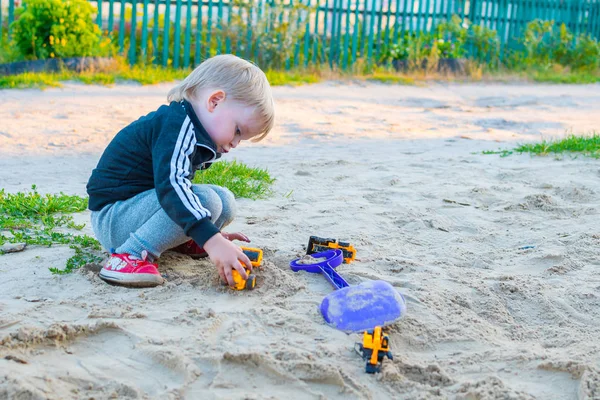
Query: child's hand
{"points": [[227, 256], [235, 236]]}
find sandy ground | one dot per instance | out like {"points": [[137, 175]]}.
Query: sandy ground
{"points": [[395, 170]]}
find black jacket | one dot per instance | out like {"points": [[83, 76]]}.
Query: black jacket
{"points": [[161, 151]]}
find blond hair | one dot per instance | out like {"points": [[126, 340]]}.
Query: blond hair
{"points": [[241, 81]]}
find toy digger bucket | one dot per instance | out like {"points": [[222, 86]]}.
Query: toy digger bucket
{"points": [[354, 308]]}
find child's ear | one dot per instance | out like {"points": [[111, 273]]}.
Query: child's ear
{"points": [[216, 98]]}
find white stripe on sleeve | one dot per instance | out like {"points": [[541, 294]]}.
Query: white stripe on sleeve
{"points": [[186, 142]]}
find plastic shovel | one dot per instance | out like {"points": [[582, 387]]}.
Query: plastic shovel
{"points": [[354, 308]]}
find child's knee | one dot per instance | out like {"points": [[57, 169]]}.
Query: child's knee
{"points": [[209, 198], [228, 201]]}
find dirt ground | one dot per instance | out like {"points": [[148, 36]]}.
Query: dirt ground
{"points": [[498, 257]]}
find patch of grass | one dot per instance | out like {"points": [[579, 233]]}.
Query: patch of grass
{"points": [[29, 80], [119, 71], [390, 78], [502, 153], [588, 145], [243, 181], [151, 74], [578, 77], [32, 218], [27, 209], [280, 78]]}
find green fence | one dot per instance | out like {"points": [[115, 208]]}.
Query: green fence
{"points": [[278, 33]]}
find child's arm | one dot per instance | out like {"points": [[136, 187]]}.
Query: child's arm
{"points": [[226, 256], [171, 162]]}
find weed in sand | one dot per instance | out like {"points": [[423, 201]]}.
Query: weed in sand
{"points": [[32, 218], [243, 181], [588, 145]]}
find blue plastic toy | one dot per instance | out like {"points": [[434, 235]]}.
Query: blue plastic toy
{"points": [[354, 308]]}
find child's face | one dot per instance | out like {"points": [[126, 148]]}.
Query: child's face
{"points": [[227, 122]]}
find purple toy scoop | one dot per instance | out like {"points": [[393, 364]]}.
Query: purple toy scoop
{"points": [[354, 308]]}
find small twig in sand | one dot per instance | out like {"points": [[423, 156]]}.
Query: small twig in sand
{"points": [[456, 202], [16, 359], [10, 324]]}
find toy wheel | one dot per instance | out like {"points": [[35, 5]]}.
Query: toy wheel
{"points": [[251, 282], [371, 369]]}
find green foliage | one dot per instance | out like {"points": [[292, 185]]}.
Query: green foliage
{"points": [[390, 78], [451, 38], [544, 45], [484, 45], [271, 40], [57, 28], [588, 145], [399, 50], [279, 78], [146, 75], [32, 218], [562, 76], [455, 38], [32, 207], [243, 181], [586, 54], [29, 80]]}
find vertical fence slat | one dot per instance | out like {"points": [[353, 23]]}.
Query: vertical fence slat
{"points": [[177, 38], [11, 15], [315, 39], [228, 38], [166, 33], [397, 26], [379, 25], [198, 40], [1, 26], [121, 26], [280, 23], [513, 18], [355, 33], [597, 19], [296, 15], [339, 39], [426, 17], [155, 32], [188, 33], [307, 33], [405, 13], [208, 41], [111, 16], [363, 29], [346, 55], [325, 20], [219, 27], [371, 32], [98, 14], [144, 38], [332, 34], [386, 41], [132, 37]]}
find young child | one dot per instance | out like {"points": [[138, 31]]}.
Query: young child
{"points": [[140, 194]]}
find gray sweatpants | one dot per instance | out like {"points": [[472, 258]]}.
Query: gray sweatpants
{"points": [[140, 223]]}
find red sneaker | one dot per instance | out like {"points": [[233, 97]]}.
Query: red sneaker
{"points": [[191, 249], [122, 269]]}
